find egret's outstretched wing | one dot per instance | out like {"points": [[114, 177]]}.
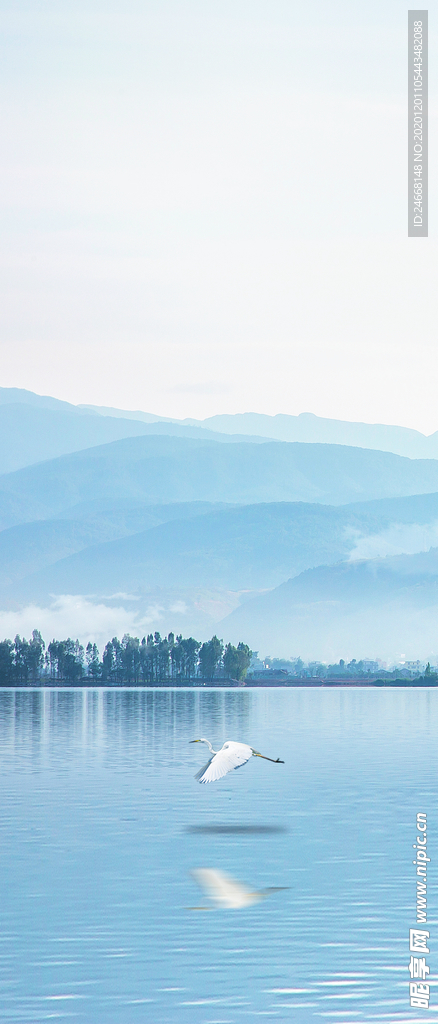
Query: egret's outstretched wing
{"points": [[229, 757], [199, 774], [224, 891]]}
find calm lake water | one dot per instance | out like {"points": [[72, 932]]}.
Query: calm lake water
{"points": [[102, 822]]}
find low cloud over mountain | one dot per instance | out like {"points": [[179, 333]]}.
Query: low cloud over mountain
{"points": [[381, 607]]}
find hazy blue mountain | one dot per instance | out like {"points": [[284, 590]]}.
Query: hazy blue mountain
{"points": [[19, 396], [32, 433], [25, 549], [15, 508], [128, 514], [194, 546], [128, 414], [33, 546], [316, 429], [305, 428], [415, 508], [248, 547], [385, 607], [150, 470]]}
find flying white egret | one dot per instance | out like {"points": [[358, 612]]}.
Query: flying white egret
{"points": [[227, 893], [231, 755]]}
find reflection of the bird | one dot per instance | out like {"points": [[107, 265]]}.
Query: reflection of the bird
{"points": [[227, 893]]}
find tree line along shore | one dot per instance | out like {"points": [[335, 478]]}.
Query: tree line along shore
{"points": [[174, 660], [154, 660]]}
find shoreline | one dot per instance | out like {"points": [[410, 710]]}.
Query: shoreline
{"points": [[377, 683]]}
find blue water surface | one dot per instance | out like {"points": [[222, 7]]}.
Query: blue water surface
{"points": [[102, 822]]}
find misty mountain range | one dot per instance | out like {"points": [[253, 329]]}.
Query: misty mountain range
{"points": [[29, 434], [304, 545], [151, 470]]}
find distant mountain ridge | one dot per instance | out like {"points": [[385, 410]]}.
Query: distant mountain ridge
{"points": [[305, 428], [153, 469], [31, 433], [249, 547], [312, 429], [193, 546], [20, 396], [27, 548]]}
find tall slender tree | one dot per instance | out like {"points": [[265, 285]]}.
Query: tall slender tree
{"points": [[210, 657]]}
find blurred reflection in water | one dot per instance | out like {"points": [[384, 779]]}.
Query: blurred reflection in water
{"points": [[226, 893], [102, 823]]}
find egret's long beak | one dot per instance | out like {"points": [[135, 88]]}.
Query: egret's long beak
{"points": [[275, 760], [194, 741]]}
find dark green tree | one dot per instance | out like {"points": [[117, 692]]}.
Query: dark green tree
{"points": [[164, 656], [108, 662], [231, 661], [146, 660], [190, 648], [210, 657], [21, 660], [70, 660], [237, 660], [94, 667], [118, 660], [177, 659], [244, 659], [7, 667], [130, 658], [55, 656], [35, 655]]}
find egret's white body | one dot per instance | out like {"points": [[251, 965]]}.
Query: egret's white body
{"points": [[231, 755], [227, 893]]}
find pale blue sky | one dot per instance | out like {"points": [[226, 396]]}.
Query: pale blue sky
{"points": [[204, 208]]}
